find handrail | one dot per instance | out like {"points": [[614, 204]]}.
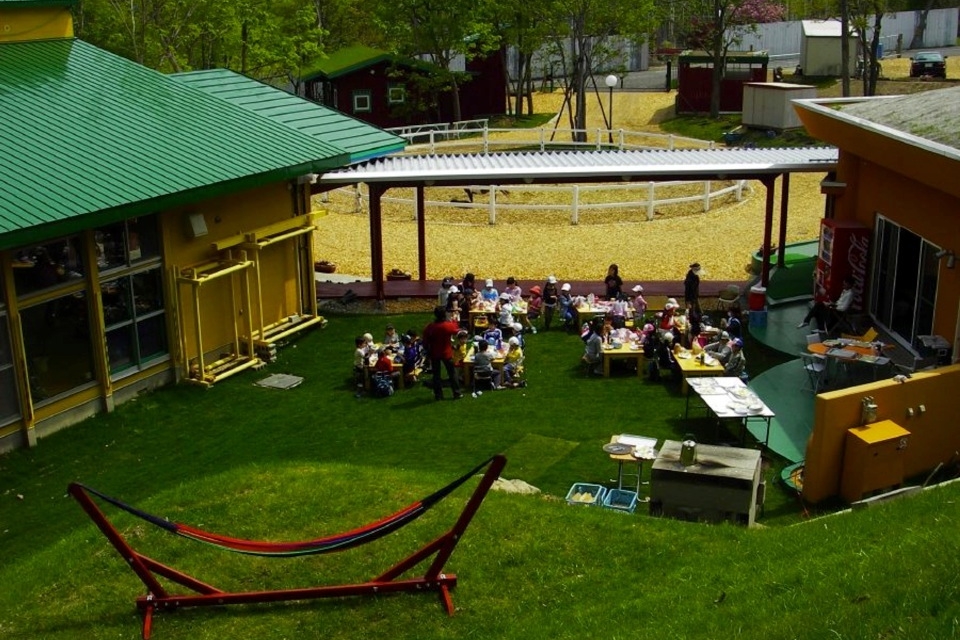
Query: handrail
{"points": [[573, 202], [467, 136]]}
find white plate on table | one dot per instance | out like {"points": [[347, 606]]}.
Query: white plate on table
{"points": [[738, 408]]}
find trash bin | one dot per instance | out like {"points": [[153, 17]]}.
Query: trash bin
{"points": [[757, 300]]}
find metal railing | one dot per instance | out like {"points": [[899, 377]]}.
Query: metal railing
{"points": [[476, 136], [573, 199]]}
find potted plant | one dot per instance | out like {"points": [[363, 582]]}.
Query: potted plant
{"points": [[398, 274], [324, 266]]}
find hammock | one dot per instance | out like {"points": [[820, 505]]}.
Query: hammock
{"points": [[328, 544], [158, 598]]}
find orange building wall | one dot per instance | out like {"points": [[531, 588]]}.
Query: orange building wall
{"points": [[932, 214], [934, 435]]}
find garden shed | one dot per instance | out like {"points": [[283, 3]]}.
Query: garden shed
{"points": [[820, 45], [695, 76], [767, 105]]}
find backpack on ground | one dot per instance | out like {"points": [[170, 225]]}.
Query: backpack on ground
{"points": [[382, 385]]}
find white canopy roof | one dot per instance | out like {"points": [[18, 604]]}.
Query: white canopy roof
{"points": [[585, 166]]}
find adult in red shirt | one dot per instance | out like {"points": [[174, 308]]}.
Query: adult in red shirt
{"points": [[437, 338]]}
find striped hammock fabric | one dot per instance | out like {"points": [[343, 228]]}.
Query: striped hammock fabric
{"points": [[327, 544]]}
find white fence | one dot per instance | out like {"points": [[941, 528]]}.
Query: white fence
{"points": [[477, 136], [782, 39], [573, 199]]}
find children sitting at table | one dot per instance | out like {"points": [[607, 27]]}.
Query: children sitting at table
{"points": [[512, 362], [391, 338], [483, 361], [737, 363], [639, 304], [369, 348], [461, 349], [512, 290], [733, 324], [493, 335], [488, 293], [384, 365], [444, 291], [411, 357], [720, 349]]}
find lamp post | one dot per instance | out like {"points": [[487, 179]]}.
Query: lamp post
{"points": [[611, 81]]}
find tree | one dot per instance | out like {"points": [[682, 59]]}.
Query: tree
{"points": [[526, 27], [923, 8], [582, 33], [264, 39], [718, 25], [861, 13], [440, 29]]}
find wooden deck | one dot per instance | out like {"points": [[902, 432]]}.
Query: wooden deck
{"points": [[653, 291]]}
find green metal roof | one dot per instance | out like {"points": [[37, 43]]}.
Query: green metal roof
{"points": [[349, 59], [360, 139], [87, 138]]}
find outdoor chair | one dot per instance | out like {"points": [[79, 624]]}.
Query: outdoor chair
{"points": [[483, 381], [869, 335], [728, 295], [816, 368]]}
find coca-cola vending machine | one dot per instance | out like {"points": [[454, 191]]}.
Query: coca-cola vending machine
{"points": [[843, 252]]}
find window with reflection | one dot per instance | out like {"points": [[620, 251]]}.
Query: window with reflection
{"points": [[48, 265], [133, 315], [58, 347], [127, 243], [9, 402]]}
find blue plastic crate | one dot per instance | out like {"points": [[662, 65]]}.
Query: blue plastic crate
{"points": [[598, 492], [621, 500]]}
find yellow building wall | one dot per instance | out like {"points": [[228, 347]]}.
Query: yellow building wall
{"points": [[39, 23], [934, 434], [227, 217], [932, 214]]}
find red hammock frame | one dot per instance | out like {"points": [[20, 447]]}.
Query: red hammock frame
{"points": [[159, 599]]}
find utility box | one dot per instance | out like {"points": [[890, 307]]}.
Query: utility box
{"points": [[873, 459], [767, 105], [935, 348], [723, 484]]}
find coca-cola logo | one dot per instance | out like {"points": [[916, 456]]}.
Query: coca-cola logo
{"points": [[857, 259]]}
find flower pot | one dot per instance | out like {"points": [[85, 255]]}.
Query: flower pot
{"points": [[396, 274], [324, 267]]}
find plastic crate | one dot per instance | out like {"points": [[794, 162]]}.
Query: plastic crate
{"points": [[621, 500], [597, 491]]}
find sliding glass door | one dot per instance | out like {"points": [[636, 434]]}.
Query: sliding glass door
{"points": [[905, 273]]}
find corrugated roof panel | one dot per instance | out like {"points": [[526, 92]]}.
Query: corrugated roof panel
{"points": [[588, 166], [87, 132], [360, 139]]}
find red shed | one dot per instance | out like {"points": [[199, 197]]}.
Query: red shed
{"points": [[387, 90], [695, 77]]}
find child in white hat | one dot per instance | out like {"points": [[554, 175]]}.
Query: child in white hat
{"points": [[512, 362], [489, 293], [639, 303]]}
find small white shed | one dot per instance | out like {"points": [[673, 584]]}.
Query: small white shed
{"points": [[767, 105], [820, 48]]}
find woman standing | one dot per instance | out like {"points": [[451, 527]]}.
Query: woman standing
{"points": [[691, 287], [613, 283]]}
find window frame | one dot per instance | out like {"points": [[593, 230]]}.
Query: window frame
{"points": [[361, 95]]}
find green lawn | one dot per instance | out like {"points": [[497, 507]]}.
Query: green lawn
{"points": [[315, 460]]}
